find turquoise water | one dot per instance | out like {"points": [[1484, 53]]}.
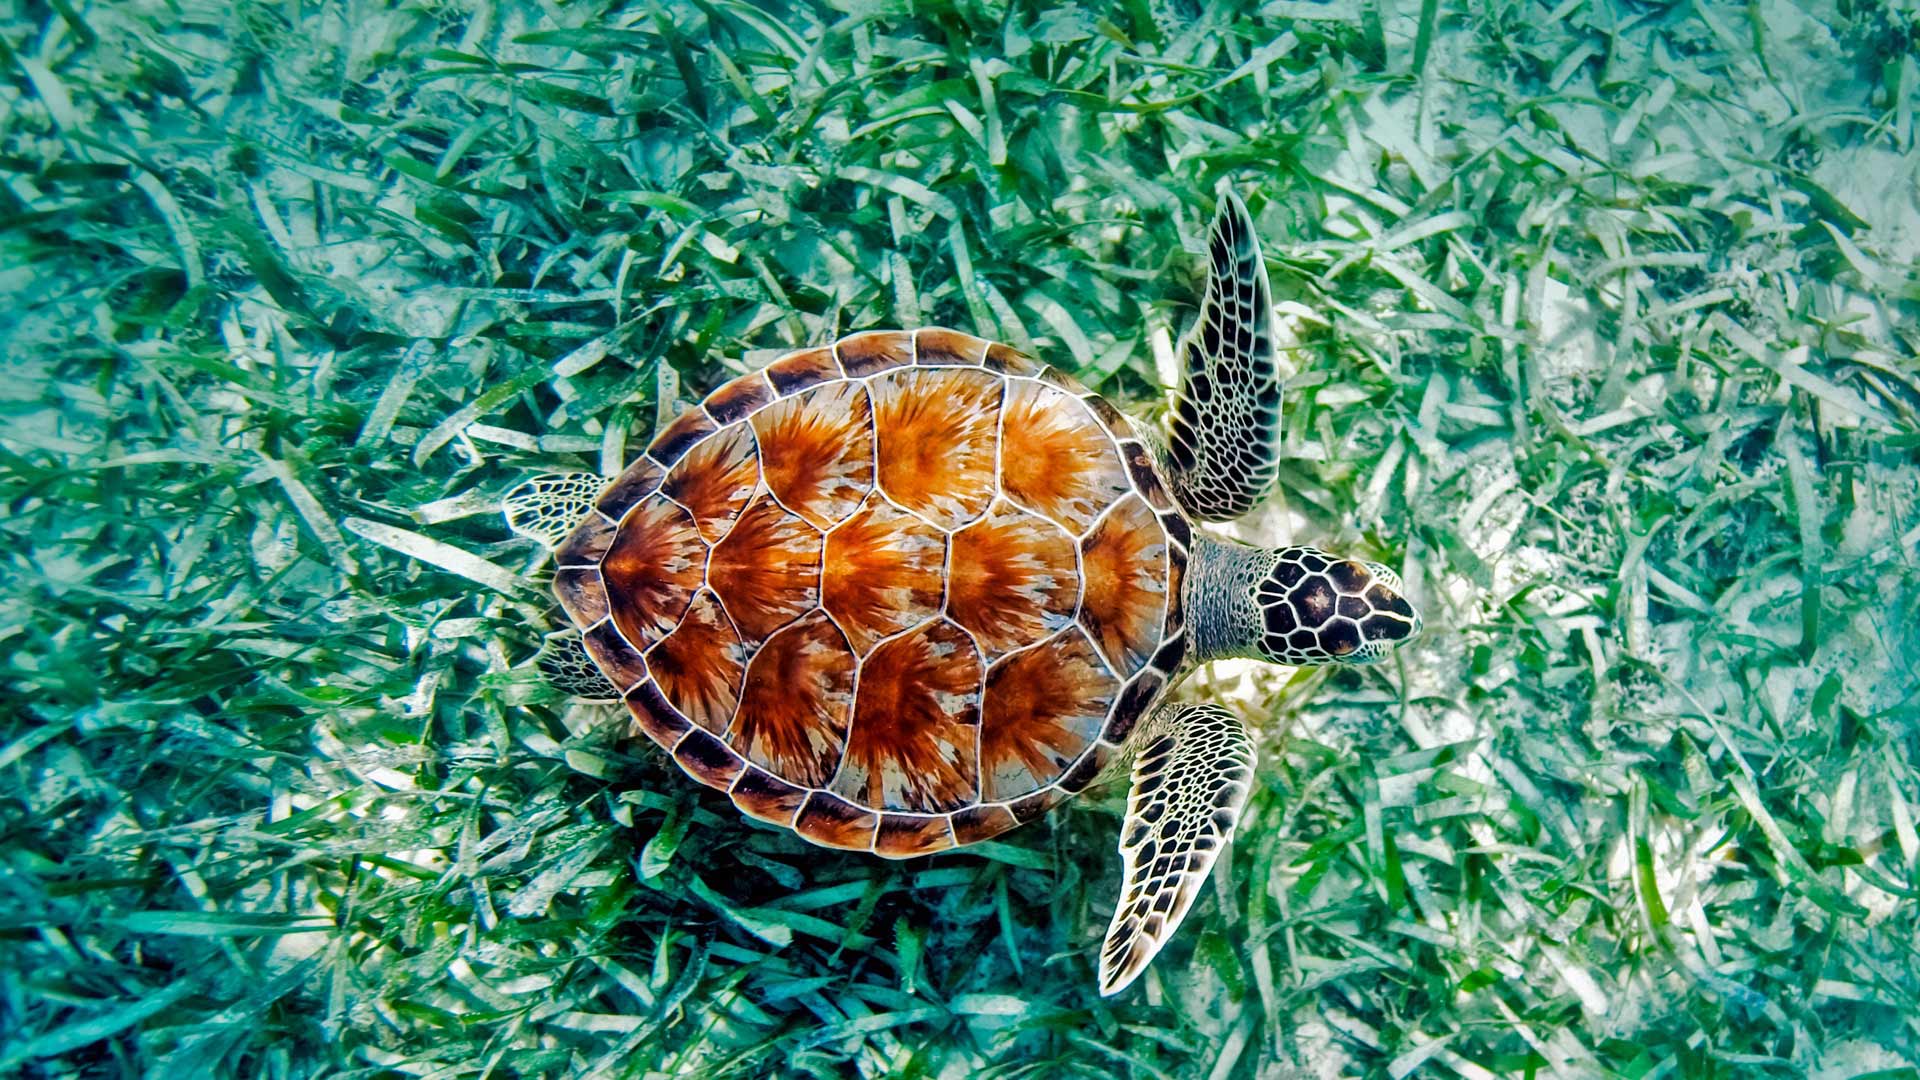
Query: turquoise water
{"points": [[1604, 338]]}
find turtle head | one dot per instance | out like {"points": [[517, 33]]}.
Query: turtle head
{"points": [[1317, 607]]}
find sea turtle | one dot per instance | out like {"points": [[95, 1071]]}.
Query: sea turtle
{"points": [[909, 590]]}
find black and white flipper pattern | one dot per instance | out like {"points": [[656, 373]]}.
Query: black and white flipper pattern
{"points": [[1224, 449], [546, 508], [1191, 776], [563, 660]]}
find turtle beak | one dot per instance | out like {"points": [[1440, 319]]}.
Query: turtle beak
{"points": [[1392, 620]]}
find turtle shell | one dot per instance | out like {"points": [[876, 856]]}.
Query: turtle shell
{"points": [[898, 593]]}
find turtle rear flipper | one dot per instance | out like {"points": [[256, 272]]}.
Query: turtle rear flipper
{"points": [[1223, 453], [1190, 779], [546, 508], [564, 661]]}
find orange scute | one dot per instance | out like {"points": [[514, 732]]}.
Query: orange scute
{"points": [[903, 836], [652, 569], [816, 450], [1124, 561], [797, 371], [683, 434], [582, 594], [882, 572], [641, 479], [1012, 579], [984, 822], [1058, 460], [1011, 361], [767, 570], [700, 665], [715, 480], [616, 657], [914, 728], [758, 793], [793, 712], [831, 821], [936, 345], [873, 350], [937, 432], [1044, 706]]}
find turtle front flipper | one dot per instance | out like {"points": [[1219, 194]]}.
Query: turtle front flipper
{"points": [[1224, 448], [547, 507], [1191, 776]]}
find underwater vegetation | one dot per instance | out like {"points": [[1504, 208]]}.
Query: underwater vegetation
{"points": [[1607, 323]]}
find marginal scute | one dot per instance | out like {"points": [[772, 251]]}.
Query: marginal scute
{"points": [[739, 398], [937, 430], [831, 821], [587, 544], [1011, 361], [802, 370], [1011, 579], [652, 569], [1175, 523], [639, 480], [903, 836], [1043, 708], [793, 713], [816, 451], [1057, 461], [655, 718], [708, 760], [1176, 594], [882, 575], [616, 658], [582, 595], [760, 794], [1037, 804], [767, 570], [1115, 420], [916, 724], [714, 480], [874, 351], [1171, 655], [701, 664], [983, 822], [1135, 699], [1053, 376], [936, 345], [1145, 479], [678, 437], [1087, 769], [1124, 563]]}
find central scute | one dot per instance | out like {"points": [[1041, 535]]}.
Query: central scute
{"points": [[887, 594]]}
